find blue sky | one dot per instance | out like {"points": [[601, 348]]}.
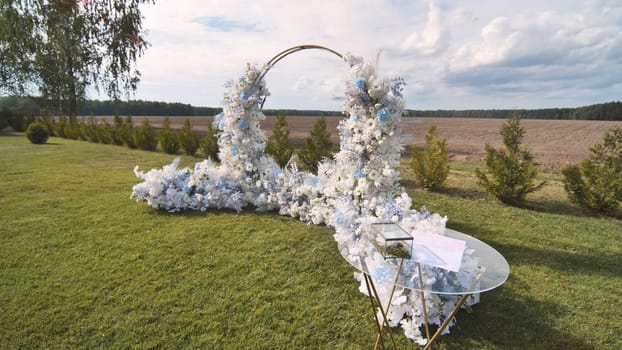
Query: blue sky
{"points": [[453, 54]]}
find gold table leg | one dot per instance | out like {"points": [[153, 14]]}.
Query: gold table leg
{"points": [[375, 299], [453, 312]]}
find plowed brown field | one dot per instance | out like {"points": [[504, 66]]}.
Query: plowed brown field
{"points": [[554, 143]]}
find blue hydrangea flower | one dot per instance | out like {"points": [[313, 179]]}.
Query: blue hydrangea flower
{"points": [[359, 82], [381, 273], [244, 96], [315, 181], [364, 97], [233, 150], [186, 189], [222, 184], [383, 114], [242, 124], [359, 174], [355, 117]]}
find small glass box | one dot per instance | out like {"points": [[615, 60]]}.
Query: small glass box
{"points": [[391, 240]]}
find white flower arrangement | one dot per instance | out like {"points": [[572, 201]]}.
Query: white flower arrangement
{"points": [[362, 190]]}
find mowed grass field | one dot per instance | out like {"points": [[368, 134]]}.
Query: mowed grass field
{"points": [[82, 266]]}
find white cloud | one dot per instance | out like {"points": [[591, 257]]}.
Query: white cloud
{"points": [[433, 39], [453, 54]]}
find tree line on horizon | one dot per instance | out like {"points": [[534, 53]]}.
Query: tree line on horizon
{"points": [[30, 107]]}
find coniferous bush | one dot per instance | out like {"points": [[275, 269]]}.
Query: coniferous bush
{"points": [[596, 184], [317, 146], [59, 129], [168, 139], [512, 172], [209, 144], [279, 146], [89, 129], [104, 133], [188, 138], [127, 132], [117, 125], [145, 137], [72, 128], [431, 166], [37, 133]]}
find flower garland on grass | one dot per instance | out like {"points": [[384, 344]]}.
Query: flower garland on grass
{"points": [[363, 189]]}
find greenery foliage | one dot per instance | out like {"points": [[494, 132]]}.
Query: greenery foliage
{"points": [[188, 139], [317, 146], [127, 132], [279, 146], [62, 47], [431, 166], [37, 133], [168, 138], [209, 144], [104, 132], [145, 137], [117, 125], [597, 183], [512, 172]]}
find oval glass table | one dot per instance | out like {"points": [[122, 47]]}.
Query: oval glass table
{"points": [[481, 269]]}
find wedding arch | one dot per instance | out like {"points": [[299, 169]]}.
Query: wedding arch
{"points": [[359, 187]]}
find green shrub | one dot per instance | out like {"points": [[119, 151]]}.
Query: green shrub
{"points": [[431, 166], [104, 133], [72, 128], [145, 137], [317, 146], [189, 139], [5, 114], [127, 132], [279, 145], [47, 120], [88, 129], [59, 128], [168, 139], [512, 172], [37, 133], [597, 183], [17, 121], [209, 144], [117, 125]]}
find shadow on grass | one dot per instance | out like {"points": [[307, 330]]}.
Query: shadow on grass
{"points": [[510, 321], [563, 262]]}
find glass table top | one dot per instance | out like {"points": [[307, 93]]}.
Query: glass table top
{"points": [[482, 268]]}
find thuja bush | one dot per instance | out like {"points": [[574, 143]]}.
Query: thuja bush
{"points": [[168, 139], [512, 172], [279, 146], [127, 132], [317, 146], [431, 166], [88, 129], [188, 139], [596, 184], [59, 128], [145, 137], [72, 128], [209, 144], [104, 132], [37, 133], [117, 125]]}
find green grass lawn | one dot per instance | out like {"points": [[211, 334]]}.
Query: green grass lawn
{"points": [[83, 266]]}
